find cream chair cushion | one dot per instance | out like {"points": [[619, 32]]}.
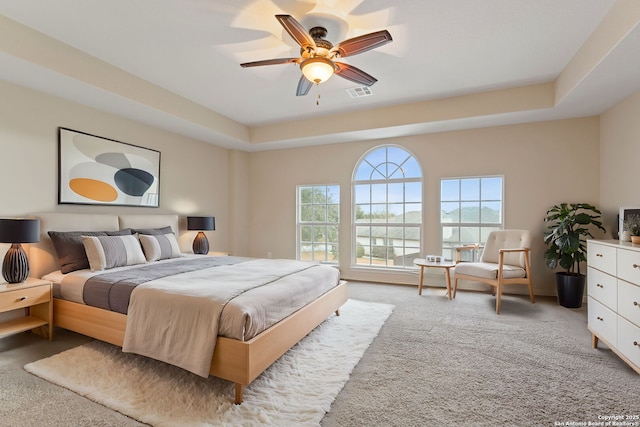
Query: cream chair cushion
{"points": [[489, 270]]}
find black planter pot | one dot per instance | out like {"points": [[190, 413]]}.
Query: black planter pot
{"points": [[570, 289]]}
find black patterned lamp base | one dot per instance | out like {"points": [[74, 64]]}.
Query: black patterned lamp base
{"points": [[15, 268], [200, 244]]}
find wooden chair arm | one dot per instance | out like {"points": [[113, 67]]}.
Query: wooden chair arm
{"points": [[501, 253], [460, 249], [527, 250]]}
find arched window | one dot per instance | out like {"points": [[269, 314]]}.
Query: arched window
{"points": [[387, 208]]}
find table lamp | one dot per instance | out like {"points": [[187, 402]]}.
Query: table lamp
{"points": [[15, 268], [201, 223]]}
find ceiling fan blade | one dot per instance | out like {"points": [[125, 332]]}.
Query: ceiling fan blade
{"points": [[354, 74], [362, 43], [297, 31], [304, 85], [270, 62]]}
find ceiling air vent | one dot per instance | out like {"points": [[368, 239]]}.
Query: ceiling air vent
{"points": [[359, 92]]}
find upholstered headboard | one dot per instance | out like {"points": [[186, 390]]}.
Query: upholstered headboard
{"points": [[148, 221], [42, 255]]}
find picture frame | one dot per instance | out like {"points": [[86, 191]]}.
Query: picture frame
{"points": [[626, 212], [93, 170]]}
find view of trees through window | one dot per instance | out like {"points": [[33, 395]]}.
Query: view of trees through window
{"points": [[387, 196], [318, 222], [470, 208]]}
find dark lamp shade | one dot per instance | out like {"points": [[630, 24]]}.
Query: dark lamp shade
{"points": [[19, 230], [15, 267], [201, 223]]}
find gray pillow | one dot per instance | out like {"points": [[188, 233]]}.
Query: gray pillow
{"points": [[159, 246], [153, 231], [70, 249], [105, 252]]}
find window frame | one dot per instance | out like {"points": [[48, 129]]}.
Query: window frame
{"points": [[405, 226], [448, 249], [313, 223]]}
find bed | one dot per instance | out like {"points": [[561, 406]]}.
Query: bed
{"points": [[237, 360]]}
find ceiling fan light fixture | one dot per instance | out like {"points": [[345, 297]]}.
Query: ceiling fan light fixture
{"points": [[317, 69]]}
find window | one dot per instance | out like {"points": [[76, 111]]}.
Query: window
{"points": [[387, 208], [318, 221], [470, 208]]}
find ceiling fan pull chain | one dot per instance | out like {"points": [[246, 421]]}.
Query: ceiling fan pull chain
{"points": [[318, 100]]}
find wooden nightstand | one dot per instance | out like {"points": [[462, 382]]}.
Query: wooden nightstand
{"points": [[35, 296]]}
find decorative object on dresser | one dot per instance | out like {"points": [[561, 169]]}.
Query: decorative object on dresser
{"points": [[614, 298], [628, 224], [15, 267], [99, 171], [569, 225], [200, 224], [633, 226]]}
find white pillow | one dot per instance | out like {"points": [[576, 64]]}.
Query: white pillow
{"points": [[159, 246], [105, 252]]}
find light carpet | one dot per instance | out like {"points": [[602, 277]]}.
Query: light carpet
{"points": [[298, 389]]}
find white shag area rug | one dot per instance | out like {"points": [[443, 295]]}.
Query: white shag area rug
{"points": [[297, 390]]}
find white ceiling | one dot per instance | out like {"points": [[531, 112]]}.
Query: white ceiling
{"points": [[191, 50]]}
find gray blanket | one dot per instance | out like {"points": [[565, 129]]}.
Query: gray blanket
{"points": [[175, 318], [112, 290]]}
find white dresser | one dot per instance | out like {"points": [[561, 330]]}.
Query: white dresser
{"points": [[613, 282]]}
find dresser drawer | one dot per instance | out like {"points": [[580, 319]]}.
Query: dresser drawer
{"points": [[602, 287], [629, 265], [629, 301], [602, 321], [629, 341], [602, 257], [21, 298]]}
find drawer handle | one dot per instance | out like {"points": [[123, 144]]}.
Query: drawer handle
{"points": [[599, 255], [599, 318], [23, 298], [599, 285]]}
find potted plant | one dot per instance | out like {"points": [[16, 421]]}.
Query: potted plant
{"points": [[569, 225]]}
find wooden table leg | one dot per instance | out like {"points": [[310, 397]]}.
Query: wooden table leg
{"points": [[447, 277], [420, 280]]}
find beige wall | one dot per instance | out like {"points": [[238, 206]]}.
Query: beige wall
{"points": [[619, 154], [543, 164], [238, 209], [194, 175], [252, 195]]}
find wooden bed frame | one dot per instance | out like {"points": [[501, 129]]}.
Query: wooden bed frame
{"points": [[238, 361]]}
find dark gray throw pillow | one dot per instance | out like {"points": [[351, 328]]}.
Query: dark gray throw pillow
{"points": [[70, 249], [153, 231]]}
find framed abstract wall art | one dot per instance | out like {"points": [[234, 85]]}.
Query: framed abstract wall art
{"points": [[99, 171]]}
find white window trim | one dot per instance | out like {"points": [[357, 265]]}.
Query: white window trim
{"points": [[325, 224], [362, 267], [498, 225]]}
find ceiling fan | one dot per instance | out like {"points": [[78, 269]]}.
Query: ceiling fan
{"points": [[317, 55]]}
